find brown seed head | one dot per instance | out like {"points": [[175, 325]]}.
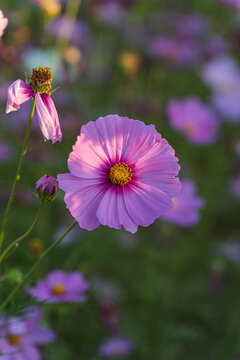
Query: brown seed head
{"points": [[41, 79]]}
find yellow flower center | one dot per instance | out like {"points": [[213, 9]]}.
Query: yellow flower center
{"points": [[41, 79], [14, 340], [58, 289], [174, 200], [120, 174], [189, 129]]}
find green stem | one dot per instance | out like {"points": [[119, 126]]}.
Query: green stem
{"points": [[29, 273], [18, 240], [17, 177]]}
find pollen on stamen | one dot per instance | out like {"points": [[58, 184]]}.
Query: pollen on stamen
{"points": [[120, 174], [41, 79], [14, 340], [58, 289]]}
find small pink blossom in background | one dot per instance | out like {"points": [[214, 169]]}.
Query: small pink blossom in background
{"points": [[195, 120], [222, 75], [21, 336], [235, 4], [122, 173], [59, 286], [179, 51], [187, 204], [3, 23], [19, 92], [116, 347]]}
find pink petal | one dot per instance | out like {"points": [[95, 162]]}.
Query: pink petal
{"points": [[146, 203], [83, 202], [159, 168], [48, 118], [18, 93], [3, 23], [119, 138], [112, 210]]}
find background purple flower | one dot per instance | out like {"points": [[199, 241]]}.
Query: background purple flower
{"points": [[223, 76], [116, 347], [20, 336], [59, 286], [195, 120], [187, 204]]}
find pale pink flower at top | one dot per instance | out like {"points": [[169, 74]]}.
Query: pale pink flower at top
{"points": [[3, 23], [122, 173], [39, 85]]}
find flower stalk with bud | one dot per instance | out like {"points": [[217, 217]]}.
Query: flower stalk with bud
{"points": [[40, 84]]}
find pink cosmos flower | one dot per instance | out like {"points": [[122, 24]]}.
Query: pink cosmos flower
{"points": [[40, 83], [59, 286], [122, 173], [193, 119], [21, 336], [186, 208], [3, 23]]}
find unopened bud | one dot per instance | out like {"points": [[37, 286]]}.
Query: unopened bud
{"points": [[46, 188]]}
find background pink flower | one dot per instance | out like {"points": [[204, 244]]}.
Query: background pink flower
{"points": [[186, 208], [195, 120], [59, 286], [122, 173]]}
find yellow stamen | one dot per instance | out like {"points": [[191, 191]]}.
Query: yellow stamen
{"points": [[41, 79], [189, 129], [120, 174], [58, 289], [14, 340]]}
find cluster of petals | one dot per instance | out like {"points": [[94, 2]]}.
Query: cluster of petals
{"points": [[91, 196], [187, 204], [59, 286], [3, 23], [195, 120], [21, 336], [19, 92]]}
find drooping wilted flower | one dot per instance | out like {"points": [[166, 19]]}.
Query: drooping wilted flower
{"points": [[59, 286], [39, 85], [123, 173]]}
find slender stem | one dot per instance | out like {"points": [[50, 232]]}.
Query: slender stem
{"points": [[18, 240], [17, 177], [29, 273]]}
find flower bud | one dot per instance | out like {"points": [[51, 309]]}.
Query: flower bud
{"points": [[46, 188]]}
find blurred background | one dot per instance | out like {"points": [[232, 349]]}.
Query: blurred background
{"points": [[172, 290]]}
